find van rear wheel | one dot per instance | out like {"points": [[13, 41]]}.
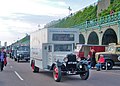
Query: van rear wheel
{"points": [[34, 68]]}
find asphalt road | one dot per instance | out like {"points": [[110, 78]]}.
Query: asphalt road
{"points": [[20, 74]]}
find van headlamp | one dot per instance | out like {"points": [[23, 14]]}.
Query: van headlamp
{"points": [[65, 59]]}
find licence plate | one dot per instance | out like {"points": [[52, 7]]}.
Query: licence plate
{"points": [[72, 62]]}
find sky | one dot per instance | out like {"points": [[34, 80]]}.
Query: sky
{"points": [[21, 17]]}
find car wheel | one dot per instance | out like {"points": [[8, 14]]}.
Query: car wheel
{"points": [[26, 60], [85, 74], [103, 67], [109, 64], [57, 73]]}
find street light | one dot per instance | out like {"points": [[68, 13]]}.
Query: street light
{"points": [[69, 9]]}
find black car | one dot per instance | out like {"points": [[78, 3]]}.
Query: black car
{"points": [[71, 66]]}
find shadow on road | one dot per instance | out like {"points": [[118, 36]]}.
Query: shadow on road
{"points": [[116, 68], [64, 77], [23, 62]]}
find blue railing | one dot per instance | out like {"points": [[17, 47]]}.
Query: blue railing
{"points": [[109, 19]]}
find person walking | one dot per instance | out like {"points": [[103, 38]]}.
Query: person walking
{"points": [[93, 60], [2, 59]]}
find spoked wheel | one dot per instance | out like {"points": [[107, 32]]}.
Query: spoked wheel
{"points": [[109, 64], [26, 60], [57, 73], [85, 74], [34, 68], [103, 66]]}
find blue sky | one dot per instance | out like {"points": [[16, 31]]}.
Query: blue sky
{"points": [[18, 17]]}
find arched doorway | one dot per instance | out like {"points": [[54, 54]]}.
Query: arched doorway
{"points": [[109, 36], [81, 39], [93, 38]]}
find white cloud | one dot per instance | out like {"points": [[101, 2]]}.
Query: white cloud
{"points": [[18, 17], [18, 23], [8, 7], [12, 28], [14, 23], [55, 2]]}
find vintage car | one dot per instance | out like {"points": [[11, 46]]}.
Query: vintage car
{"points": [[112, 55], [21, 53], [83, 50], [71, 66]]}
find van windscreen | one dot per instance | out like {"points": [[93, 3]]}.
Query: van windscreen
{"points": [[62, 47]]}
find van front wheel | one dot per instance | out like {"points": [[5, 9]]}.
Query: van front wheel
{"points": [[85, 74], [57, 73]]}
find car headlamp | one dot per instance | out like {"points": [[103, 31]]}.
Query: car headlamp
{"points": [[17, 54]]}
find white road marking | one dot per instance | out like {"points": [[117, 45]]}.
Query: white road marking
{"points": [[18, 76]]}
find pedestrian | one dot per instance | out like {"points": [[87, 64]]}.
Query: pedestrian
{"points": [[101, 62], [3, 60], [93, 60], [112, 12]]}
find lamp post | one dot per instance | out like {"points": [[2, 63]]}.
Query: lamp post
{"points": [[69, 9]]}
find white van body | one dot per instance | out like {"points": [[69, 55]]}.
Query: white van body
{"points": [[48, 45]]}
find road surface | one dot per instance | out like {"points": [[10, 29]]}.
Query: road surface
{"points": [[20, 74]]}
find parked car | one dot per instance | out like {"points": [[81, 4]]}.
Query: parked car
{"points": [[112, 55], [21, 53]]}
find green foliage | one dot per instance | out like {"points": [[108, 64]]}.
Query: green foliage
{"points": [[81, 16], [88, 13], [25, 40], [115, 5]]}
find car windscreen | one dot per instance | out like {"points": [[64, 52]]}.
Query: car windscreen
{"points": [[118, 49], [111, 49], [23, 48]]}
